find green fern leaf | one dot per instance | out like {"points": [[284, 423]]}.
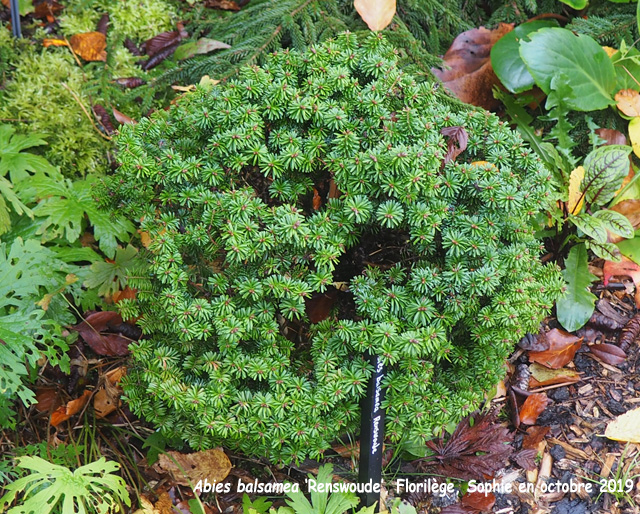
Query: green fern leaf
{"points": [[65, 205]]}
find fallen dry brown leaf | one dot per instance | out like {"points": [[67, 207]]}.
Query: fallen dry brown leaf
{"points": [[608, 353], [91, 46], [532, 408], [628, 101], [212, 464], [534, 435], [64, 412], [469, 75], [625, 268], [562, 348], [377, 14], [224, 5], [93, 328], [47, 398], [121, 118]]}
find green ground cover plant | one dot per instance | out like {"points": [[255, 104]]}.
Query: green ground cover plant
{"points": [[52, 488], [237, 248]]}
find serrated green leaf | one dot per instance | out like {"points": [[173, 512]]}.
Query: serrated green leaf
{"points": [[65, 204], [604, 171], [591, 226], [575, 308], [615, 222], [27, 271], [505, 56], [110, 277], [581, 59], [14, 160]]}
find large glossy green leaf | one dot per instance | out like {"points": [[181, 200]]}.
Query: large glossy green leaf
{"points": [[575, 308], [586, 66], [505, 56], [576, 4], [630, 248], [604, 171]]}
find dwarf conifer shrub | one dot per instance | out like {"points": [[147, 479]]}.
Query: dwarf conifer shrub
{"points": [[224, 184]]}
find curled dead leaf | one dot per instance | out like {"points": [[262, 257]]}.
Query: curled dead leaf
{"points": [[121, 118], [91, 46], [130, 82], [479, 501], [127, 293], [534, 435], [93, 332], [629, 333], [223, 5], [608, 353], [468, 72], [534, 342], [47, 9], [562, 348], [319, 305], [104, 403], [64, 412], [612, 136], [532, 408], [457, 140], [54, 42]]}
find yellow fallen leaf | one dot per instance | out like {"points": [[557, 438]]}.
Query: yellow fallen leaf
{"points": [[54, 42], [610, 51], [184, 89], [628, 101], [91, 46], [206, 80], [377, 14], [542, 376], [625, 428], [576, 198], [634, 135]]}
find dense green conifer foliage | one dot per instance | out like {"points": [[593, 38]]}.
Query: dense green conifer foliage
{"points": [[223, 184]]}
